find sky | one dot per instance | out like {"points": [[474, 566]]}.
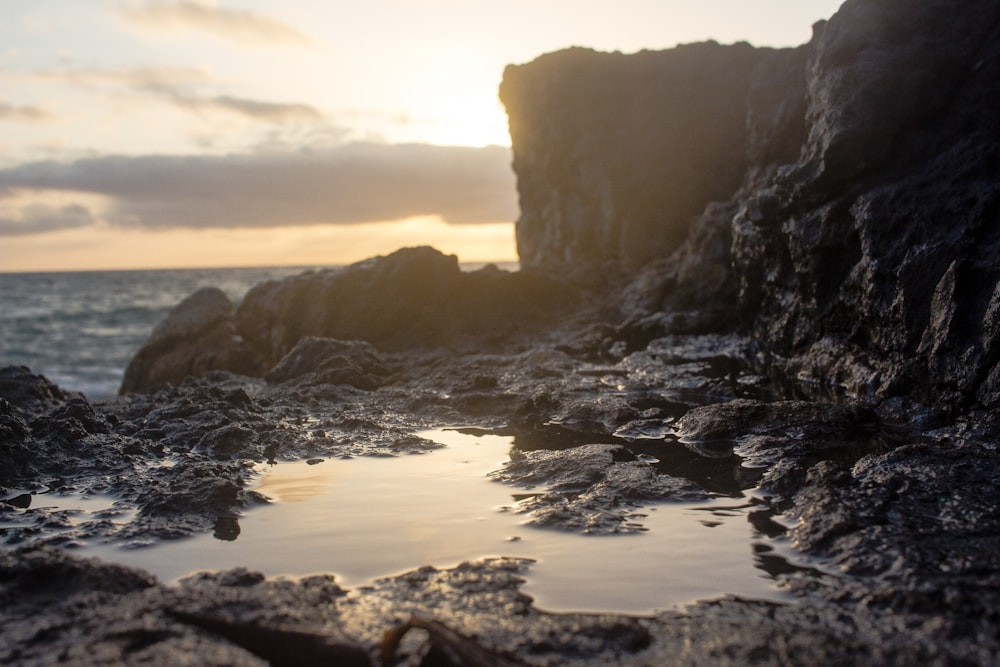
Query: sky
{"points": [[178, 133]]}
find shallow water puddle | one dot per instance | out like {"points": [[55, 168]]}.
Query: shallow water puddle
{"points": [[365, 518], [67, 509]]}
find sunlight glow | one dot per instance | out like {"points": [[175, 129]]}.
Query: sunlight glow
{"points": [[104, 247], [197, 79]]}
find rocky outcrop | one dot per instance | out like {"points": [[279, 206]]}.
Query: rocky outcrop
{"points": [[198, 335], [615, 154], [410, 299], [872, 260], [350, 362], [861, 251]]}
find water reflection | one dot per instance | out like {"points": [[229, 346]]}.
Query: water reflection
{"points": [[720, 473], [365, 518], [226, 528]]}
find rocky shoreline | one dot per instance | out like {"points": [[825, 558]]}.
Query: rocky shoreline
{"points": [[817, 321]]}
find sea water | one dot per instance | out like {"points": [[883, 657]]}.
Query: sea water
{"points": [[80, 329]]}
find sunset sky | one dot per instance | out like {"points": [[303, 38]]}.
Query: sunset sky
{"points": [[172, 133]]}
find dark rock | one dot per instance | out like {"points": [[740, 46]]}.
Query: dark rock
{"points": [[870, 518], [859, 252], [594, 488], [353, 362], [413, 298], [783, 438], [615, 153], [198, 335], [31, 394], [12, 426], [797, 420], [53, 574], [868, 258], [22, 501]]}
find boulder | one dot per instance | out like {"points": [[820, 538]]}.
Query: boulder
{"points": [[351, 362], [395, 302], [198, 335], [411, 299]]}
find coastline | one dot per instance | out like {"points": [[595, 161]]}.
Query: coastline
{"points": [[824, 341]]}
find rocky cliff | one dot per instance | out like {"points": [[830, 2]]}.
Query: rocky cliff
{"points": [[845, 194], [615, 154]]}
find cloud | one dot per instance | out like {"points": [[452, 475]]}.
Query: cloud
{"points": [[234, 24], [350, 183], [139, 78], [182, 87], [255, 109], [22, 113], [41, 218]]}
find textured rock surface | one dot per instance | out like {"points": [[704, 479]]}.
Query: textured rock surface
{"points": [[880, 240], [412, 298], [197, 336], [332, 361], [858, 253], [615, 154], [860, 250]]}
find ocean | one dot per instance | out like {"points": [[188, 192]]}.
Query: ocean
{"points": [[80, 329]]}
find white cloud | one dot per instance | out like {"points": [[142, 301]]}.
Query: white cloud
{"points": [[29, 114], [184, 87], [233, 24]]}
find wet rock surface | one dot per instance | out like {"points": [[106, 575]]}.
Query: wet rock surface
{"points": [[413, 298], [821, 346], [858, 249], [592, 488], [892, 527]]}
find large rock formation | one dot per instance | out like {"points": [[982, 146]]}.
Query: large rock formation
{"points": [[860, 250], [875, 251], [412, 298], [615, 154], [197, 336]]}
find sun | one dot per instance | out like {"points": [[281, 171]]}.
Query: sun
{"points": [[470, 120]]}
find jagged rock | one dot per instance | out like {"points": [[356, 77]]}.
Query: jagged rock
{"points": [[352, 362], [197, 336], [592, 488], [869, 258], [860, 251], [28, 393], [616, 153], [793, 419]]}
